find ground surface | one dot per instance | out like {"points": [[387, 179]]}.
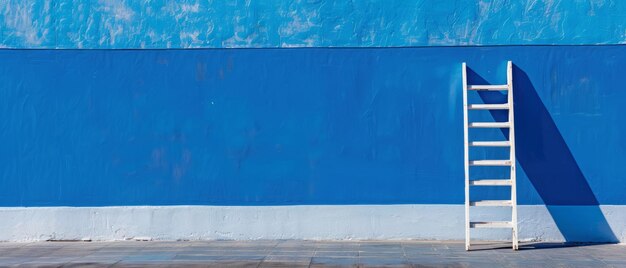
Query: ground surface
{"points": [[296, 253]]}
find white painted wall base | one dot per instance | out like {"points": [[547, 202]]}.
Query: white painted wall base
{"points": [[427, 222]]}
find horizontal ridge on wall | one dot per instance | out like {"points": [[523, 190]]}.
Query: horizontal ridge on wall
{"points": [[122, 24]]}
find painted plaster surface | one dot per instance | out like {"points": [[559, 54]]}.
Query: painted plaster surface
{"points": [[310, 23], [260, 127], [426, 222]]}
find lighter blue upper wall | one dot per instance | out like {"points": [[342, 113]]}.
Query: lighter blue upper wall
{"points": [[310, 23]]}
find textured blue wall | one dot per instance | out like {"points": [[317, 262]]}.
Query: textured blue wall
{"points": [[303, 126], [312, 23], [300, 126]]}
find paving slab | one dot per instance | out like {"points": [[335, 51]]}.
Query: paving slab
{"points": [[299, 253]]}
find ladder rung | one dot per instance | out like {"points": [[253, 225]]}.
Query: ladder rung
{"points": [[490, 182], [488, 87], [499, 106], [490, 163], [490, 203], [489, 124], [491, 224], [490, 143]]}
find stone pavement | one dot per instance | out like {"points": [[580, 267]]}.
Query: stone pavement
{"points": [[298, 253]]}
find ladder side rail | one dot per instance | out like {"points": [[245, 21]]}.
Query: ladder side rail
{"points": [[466, 158], [512, 156]]}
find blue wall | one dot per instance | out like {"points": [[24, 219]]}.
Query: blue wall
{"points": [[300, 126], [318, 125], [311, 23]]}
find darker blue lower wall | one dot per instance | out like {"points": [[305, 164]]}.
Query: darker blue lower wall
{"points": [[302, 126]]}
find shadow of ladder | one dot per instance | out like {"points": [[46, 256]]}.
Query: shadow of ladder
{"points": [[510, 143]]}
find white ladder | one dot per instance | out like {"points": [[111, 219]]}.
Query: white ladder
{"points": [[507, 162]]}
